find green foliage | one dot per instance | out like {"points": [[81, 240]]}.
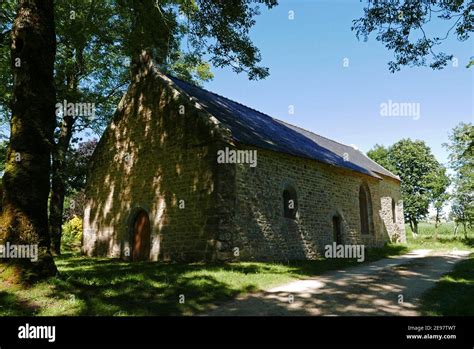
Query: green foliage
{"points": [[97, 41], [438, 182], [3, 155], [444, 238], [400, 26], [461, 147], [221, 28], [470, 64], [76, 165], [461, 156], [72, 232], [189, 68], [453, 294], [423, 179], [379, 154], [75, 172], [110, 287], [416, 165], [89, 63], [7, 14]]}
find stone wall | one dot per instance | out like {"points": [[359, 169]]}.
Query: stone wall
{"points": [[261, 231], [389, 190], [160, 154], [159, 149]]}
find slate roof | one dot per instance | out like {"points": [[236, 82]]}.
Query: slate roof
{"points": [[251, 127]]}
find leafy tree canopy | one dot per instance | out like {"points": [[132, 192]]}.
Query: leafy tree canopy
{"points": [[379, 154], [404, 27], [423, 179], [461, 156]]}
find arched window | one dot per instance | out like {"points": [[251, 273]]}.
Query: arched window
{"points": [[364, 209], [337, 229], [290, 202], [394, 211]]}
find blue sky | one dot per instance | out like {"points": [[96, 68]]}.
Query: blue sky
{"points": [[305, 56]]}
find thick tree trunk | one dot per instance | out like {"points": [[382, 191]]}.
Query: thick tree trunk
{"points": [[58, 185], [26, 180]]}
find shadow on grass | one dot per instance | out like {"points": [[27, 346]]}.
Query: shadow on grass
{"points": [[115, 288], [453, 294], [100, 286], [469, 242], [11, 305], [312, 268]]}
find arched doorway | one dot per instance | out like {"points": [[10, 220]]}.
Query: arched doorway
{"points": [[141, 236], [337, 229]]}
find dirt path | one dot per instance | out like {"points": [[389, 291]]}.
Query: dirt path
{"points": [[371, 289]]}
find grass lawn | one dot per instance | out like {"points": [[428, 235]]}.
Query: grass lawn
{"points": [[445, 241], [96, 286], [100, 286], [453, 294]]}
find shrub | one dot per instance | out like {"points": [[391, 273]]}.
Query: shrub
{"points": [[72, 232]]}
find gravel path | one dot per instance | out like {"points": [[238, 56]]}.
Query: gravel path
{"points": [[389, 286]]}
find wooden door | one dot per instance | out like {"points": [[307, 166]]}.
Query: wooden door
{"points": [[141, 237]]}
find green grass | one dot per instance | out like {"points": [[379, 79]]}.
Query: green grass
{"points": [[97, 286], [453, 294], [444, 241]]}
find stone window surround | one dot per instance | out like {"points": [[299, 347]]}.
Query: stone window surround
{"points": [[369, 207]]}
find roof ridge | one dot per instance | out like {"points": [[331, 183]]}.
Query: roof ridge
{"points": [[329, 139], [258, 111], [375, 162], [216, 94], [309, 134]]}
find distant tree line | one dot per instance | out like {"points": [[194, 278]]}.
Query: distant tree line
{"points": [[425, 182]]}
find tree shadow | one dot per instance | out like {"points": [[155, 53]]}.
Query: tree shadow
{"points": [[114, 287], [453, 294], [389, 291], [12, 305]]}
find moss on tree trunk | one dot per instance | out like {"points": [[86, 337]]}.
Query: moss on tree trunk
{"points": [[26, 180]]}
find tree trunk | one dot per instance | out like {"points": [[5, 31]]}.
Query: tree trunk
{"points": [[58, 185], [58, 182], [26, 180], [437, 220], [415, 226], [414, 229]]}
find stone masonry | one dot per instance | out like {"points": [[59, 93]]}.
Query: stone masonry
{"points": [[159, 154]]}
